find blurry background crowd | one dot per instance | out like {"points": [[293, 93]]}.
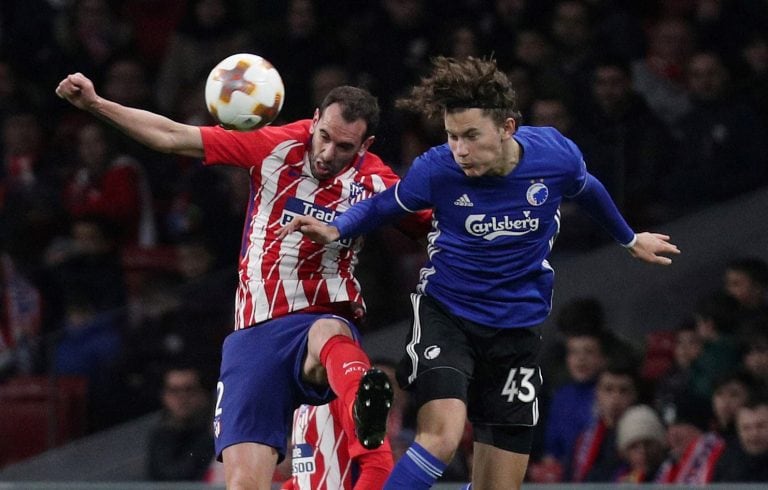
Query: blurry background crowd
{"points": [[117, 262]]}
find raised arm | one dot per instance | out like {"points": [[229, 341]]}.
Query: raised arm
{"points": [[648, 247], [153, 130]]}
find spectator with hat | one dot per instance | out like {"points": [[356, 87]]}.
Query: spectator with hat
{"points": [[642, 443]]}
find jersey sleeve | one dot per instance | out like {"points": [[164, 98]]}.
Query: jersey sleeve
{"points": [[577, 170], [385, 207], [596, 201], [414, 192], [243, 148]]}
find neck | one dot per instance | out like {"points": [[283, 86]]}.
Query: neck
{"points": [[510, 155]]}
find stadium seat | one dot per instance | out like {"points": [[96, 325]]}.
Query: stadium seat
{"points": [[38, 413]]}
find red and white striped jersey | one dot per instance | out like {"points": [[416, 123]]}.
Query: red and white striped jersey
{"points": [[319, 454], [277, 277], [326, 456]]}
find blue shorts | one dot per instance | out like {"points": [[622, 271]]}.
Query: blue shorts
{"points": [[260, 384]]}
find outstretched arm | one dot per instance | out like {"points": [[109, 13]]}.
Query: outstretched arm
{"points": [[362, 218], [153, 130], [648, 247]]}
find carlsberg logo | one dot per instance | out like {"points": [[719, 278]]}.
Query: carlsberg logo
{"points": [[493, 227]]}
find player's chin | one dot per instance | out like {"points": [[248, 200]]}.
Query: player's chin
{"points": [[321, 172], [472, 172]]}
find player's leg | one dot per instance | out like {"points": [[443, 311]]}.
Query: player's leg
{"points": [[436, 370], [441, 426], [255, 399], [503, 405], [497, 469], [249, 466], [335, 357]]}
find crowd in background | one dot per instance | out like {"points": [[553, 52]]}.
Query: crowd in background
{"points": [[116, 261]]}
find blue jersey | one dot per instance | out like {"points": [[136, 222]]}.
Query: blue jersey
{"points": [[492, 235]]}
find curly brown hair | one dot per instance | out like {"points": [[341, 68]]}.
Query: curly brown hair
{"points": [[459, 84]]}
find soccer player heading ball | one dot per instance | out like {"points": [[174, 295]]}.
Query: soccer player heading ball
{"points": [[295, 341]]}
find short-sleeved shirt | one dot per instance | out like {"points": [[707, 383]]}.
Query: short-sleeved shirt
{"points": [[277, 277]]}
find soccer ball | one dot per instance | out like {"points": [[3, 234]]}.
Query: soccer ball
{"points": [[244, 91]]}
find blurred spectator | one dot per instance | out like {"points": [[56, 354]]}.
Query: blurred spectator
{"points": [[715, 318], [746, 280], [572, 32], [111, 186], [660, 75], [596, 457], [753, 82], [572, 406], [693, 449], [746, 460], [181, 445], [325, 78], [754, 344], [303, 45], [523, 81], [87, 261], [731, 392], [641, 440], [393, 46], [721, 134], [678, 381], [506, 17], [630, 147], [152, 23], [89, 343], [89, 32], [535, 51], [20, 320], [461, 39], [126, 82], [209, 32], [30, 210]]}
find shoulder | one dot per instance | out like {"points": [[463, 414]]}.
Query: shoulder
{"points": [[298, 131], [544, 137], [548, 143], [372, 164], [437, 159], [441, 153]]}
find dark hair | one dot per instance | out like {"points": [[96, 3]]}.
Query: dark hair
{"points": [[356, 103], [456, 85], [581, 316], [755, 268], [612, 61], [720, 309], [739, 376]]}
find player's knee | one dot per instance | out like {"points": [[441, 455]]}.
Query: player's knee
{"points": [[441, 425], [324, 329]]}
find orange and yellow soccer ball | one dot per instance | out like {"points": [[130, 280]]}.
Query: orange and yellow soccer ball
{"points": [[244, 92]]}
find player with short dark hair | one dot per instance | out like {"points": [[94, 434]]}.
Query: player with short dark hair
{"points": [[495, 189], [295, 341]]}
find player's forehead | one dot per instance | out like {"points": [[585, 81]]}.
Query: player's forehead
{"points": [[462, 121], [332, 125]]}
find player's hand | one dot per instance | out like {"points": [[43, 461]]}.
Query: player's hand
{"points": [[653, 248], [78, 90], [312, 228]]}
